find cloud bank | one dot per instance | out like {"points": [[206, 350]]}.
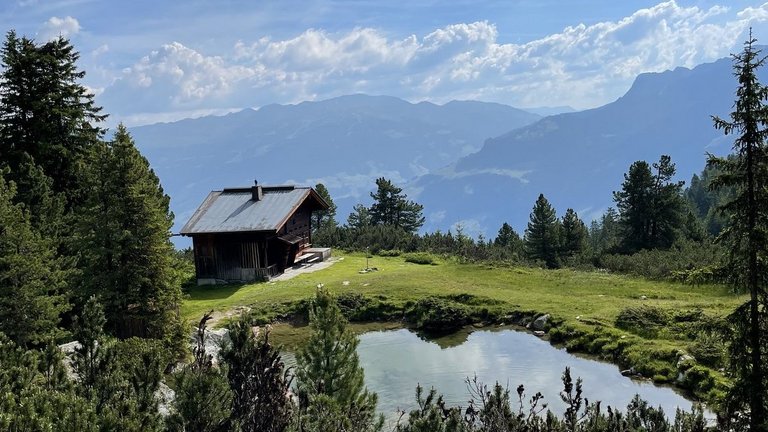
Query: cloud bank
{"points": [[582, 66]]}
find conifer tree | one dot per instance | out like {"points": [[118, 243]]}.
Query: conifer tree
{"points": [[650, 206], [47, 118], [125, 241], [203, 400], [330, 378], [392, 207], [746, 235], [542, 235], [259, 380], [359, 218], [573, 235], [324, 219], [31, 282]]}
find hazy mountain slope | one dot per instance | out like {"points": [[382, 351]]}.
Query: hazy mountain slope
{"points": [[345, 142], [578, 159]]}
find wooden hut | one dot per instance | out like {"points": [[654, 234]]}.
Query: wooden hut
{"points": [[251, 233]]}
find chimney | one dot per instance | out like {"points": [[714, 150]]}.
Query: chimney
{"points": [[256, 192]]}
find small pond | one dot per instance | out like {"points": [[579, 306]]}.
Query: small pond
{"points": [[396, 360]]}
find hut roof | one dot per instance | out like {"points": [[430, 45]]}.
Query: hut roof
{"points": [[236, 210]]}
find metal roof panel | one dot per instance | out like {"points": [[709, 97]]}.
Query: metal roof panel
{"points": [[234, 211]]}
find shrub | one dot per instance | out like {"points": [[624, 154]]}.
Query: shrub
{"points": [[437, 315], [419, 258], [390, 252], [643, 320]]}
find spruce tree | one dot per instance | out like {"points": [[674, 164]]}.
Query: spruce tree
{"points": [[125, 242], [31, 281], [746, 235], [573, 235], [542, 237], [650, 206], [47, 117], [330, 379]]}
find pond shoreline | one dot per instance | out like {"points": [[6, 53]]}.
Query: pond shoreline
{"points": [[598, 343]]}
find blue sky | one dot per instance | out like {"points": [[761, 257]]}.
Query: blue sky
{"points": [[162, 60]]}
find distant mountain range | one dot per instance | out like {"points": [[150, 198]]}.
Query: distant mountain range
{"points": [[474, 163], [578, 159], [344, 142]]}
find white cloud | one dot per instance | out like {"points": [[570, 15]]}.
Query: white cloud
{"points": [[581, 66], [101, 49], [53, 28]]}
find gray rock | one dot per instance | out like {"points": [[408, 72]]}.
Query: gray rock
{"points": [[539, 333], [540, 322], [214, 340], [165, 397]]}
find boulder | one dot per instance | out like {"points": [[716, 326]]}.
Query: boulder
{"points": [[165, 397], [540, 322], [214, 339], [539, 333]]}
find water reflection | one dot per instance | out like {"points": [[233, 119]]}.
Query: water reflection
{"points": [[395, 361]]}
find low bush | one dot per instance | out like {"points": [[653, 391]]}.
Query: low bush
{"points": [[437, 315], [645, 321], [390, 253], [419, 258]]}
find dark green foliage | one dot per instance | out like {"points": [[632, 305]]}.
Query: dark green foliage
{"points": [[604, 236], [203, 400], [438, 315], [31, 281], [127, 257], [643, 320], [423, 258], [330, 379], [324, 219], [542, 241], [509, 240], [705, 201], [686, 261], [650, 206], [359, 218], [119, 378], [573, 235], [746, 234], [490, 410], [46, 117], [35, 394], [259, 380], [392, 207]]}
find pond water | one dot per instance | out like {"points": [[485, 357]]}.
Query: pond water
{"points": [[396, 360]]}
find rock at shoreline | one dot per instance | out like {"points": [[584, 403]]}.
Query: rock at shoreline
{"points": [[540, 322]]}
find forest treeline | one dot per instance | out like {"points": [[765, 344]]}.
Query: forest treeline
{"points": [[85, 256], [658, 229]]}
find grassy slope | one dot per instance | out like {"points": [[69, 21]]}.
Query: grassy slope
{"points": [[563, 293], [596, 298]]}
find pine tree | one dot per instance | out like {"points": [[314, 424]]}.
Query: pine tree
{"points": [[330, 378], [324, 219], [359, 218], [573, 235], [392, 207], [47, 117], [746, 234], [31, 282], [542, 235], [259, 380], [203, 399], [125, 241]]}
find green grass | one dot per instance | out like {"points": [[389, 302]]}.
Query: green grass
{"points": [[595, 298]]}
